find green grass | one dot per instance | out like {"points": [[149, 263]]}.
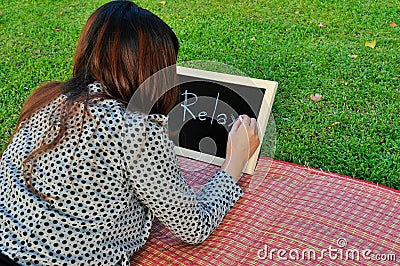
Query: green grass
{"points": [[361, 93]]}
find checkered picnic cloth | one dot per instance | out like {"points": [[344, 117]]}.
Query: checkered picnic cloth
{"points": [[289, 215]]}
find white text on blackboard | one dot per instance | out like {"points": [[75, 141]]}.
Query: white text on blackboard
{"points": [[221, 118]]}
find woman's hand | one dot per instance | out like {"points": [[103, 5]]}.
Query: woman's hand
{"points": [[243, 141]]}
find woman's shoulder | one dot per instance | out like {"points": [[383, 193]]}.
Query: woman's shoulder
{"points": [[101, 108], [114, 110], [148, 122]]}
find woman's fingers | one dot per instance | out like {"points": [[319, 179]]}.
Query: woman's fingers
{"points": [[236, 125], [245, 120], [242, 120], [253, 125]]}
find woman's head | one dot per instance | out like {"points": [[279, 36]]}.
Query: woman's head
{"points": [[121, 46]]}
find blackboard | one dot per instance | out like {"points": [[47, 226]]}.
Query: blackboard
{"points": [[209, 104]]}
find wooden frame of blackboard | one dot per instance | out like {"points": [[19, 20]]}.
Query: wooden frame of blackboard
{"points": [[270, 88]]}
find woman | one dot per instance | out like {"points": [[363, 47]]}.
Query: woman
{"points": [[81, 187]]}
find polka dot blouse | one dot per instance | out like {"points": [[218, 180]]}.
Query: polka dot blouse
{"points": [[111, 181]]}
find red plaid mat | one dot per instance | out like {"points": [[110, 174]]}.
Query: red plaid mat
{"points": [[290, 215]]}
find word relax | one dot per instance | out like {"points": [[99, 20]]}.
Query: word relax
{"points": [[202, 116]]}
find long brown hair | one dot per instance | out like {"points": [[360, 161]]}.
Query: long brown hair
{"points": [[120, 46]]}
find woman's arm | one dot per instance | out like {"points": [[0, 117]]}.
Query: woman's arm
{"points": [[159, 184]]}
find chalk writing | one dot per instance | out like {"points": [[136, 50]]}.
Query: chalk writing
{"points": [[221, 118]]}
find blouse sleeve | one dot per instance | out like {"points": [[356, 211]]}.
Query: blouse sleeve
{"points": [[159, 184]]}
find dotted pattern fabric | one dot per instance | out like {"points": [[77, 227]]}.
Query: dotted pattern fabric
{"points": [[111, 183]]}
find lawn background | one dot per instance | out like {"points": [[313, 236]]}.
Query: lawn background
{"points": [[307, 46]]}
